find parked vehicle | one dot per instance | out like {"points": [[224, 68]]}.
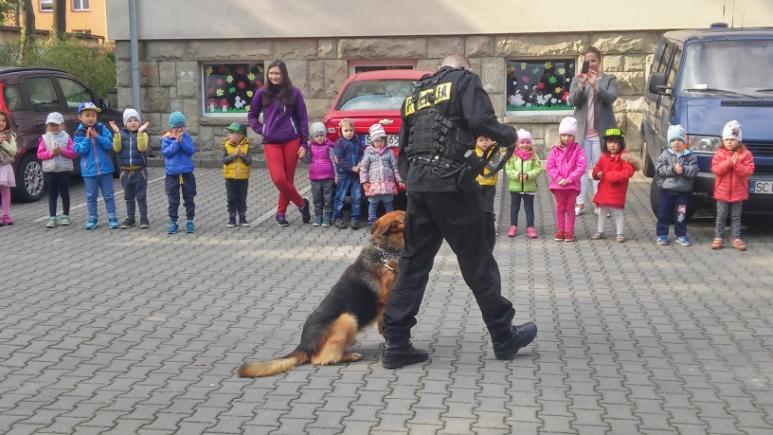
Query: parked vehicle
{"points": [[373, 97], [29, 95], [701, 79]]}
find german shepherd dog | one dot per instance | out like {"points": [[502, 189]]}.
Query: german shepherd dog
{"points": [[356, 301]]}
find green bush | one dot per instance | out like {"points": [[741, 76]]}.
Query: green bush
{"points": [[95, 66]]}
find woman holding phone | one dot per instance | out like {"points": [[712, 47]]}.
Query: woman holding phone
{"points": [[592, 94]]}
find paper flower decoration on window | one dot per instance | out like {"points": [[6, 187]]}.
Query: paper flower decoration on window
{"points": [[535, 70], [558, 90], [251, 77], [241, 85], [229, 78], [219, 92], [249, 94], [523, 65], [232, 90], [552, 80], [209, 70], [548, 65], [541, 86], [525, 79], [562, 71]]}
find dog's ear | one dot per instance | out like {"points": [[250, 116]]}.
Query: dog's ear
{"points": [[387, 224]]}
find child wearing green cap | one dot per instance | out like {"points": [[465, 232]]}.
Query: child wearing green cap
{"points": [[236, 171]]}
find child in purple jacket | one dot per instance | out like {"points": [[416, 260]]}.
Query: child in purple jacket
{"points": [[321, 173]]}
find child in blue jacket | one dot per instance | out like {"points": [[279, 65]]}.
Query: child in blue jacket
{"points": [[94, 143], [178, 148], [348, 154]]}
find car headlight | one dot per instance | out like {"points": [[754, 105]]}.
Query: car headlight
{"points": [[703, 144]]}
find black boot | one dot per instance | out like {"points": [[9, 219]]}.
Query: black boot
{"points": [[508, 342], [399, 354]]}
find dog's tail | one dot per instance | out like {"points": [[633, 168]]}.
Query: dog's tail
{"points": [[273, 367]]}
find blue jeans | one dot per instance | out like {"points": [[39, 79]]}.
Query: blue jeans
{"points": [[104, 183], [592, 150], [672, 208], [373, 202], [347, 184]]}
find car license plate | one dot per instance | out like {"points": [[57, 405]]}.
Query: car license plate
{"points": [[761, 187], [392, 139]]}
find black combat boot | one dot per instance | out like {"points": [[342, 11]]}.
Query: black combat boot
{"points": [[402, 353], [508, 342]]}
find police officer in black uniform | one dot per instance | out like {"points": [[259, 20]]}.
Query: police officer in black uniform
{"points": [[441, 120]]}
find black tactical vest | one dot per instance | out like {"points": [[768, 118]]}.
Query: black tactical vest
{"points": [[437, 132]]}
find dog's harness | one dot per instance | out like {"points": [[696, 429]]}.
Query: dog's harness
{"points": [[387, 256]]}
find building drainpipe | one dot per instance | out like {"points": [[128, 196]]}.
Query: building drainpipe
{"points": [[134, 54]]}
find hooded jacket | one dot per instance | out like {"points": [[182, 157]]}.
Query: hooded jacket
{"points": [[96, 153], [236, 167], [613, 187], [177, 155], [566, 163], [280, 123], [731, 181], [668, 179], [379, 168], [348, 154], [516, 166]]}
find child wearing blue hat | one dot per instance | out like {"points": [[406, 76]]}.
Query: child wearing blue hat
{"points": [[94, 143], [177, 147]]}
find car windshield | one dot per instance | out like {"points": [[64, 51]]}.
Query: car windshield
{"points": [[734, 67], [375, 95]]}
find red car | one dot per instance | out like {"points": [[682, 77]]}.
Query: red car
{"points": [[369, 98]]}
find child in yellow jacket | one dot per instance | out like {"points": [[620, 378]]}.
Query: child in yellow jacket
{"points": [[236, 171], [488, 187]]}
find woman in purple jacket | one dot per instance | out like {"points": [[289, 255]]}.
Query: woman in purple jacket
{"points": [[284, 129]]}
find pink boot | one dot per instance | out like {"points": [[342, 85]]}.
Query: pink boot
{"points": [[531, 233], [513, 231], [7, 220]]}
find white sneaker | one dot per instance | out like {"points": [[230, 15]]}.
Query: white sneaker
{"points": [[596, 211], [578, 209]]}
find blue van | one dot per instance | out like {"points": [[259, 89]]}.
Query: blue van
{"points": [[701, 79]]}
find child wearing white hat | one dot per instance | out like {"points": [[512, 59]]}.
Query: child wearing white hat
{"points": [[55, 151]]}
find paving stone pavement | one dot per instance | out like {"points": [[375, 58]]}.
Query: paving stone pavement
{"points": [[138, 332]]}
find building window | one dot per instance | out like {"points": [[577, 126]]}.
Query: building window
{"points": [[82, 31], [359, 66], [80, 5], [539, 84], [46, 5], [229, 87]]}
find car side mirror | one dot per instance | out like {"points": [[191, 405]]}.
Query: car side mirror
{"points": [[657, 84], [104, 104]]}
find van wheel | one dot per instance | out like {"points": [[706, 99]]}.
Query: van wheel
{"points": [[29, 179], [648, 168]]}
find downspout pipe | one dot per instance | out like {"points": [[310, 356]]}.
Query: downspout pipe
{"points": [[134, 54]]}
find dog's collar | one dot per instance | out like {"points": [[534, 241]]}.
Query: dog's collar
{"points": [[387, 256]]}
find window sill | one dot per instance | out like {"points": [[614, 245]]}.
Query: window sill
{"points": [[534, 117], [221, 120]]}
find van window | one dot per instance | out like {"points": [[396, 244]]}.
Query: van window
{"points": [[667, 52], [732, 66], [13, 98], [674, 70], [42, 94], [74, 93]]}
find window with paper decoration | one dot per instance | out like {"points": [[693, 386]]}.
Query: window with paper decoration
{"points": [[229, 87], [539, 85]]}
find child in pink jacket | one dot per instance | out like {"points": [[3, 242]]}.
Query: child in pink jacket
{"points": [[565, 167]]}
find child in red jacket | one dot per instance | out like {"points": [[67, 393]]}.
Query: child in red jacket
{"points": [[732, 166], [613, 173]]}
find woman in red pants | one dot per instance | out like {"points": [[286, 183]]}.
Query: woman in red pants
{"points": [[284, 129]]}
